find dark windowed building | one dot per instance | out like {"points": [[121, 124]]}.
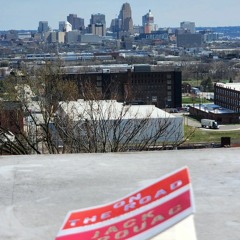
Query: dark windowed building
{"points": [[227, 95], [76, 22], [189, 40], [43, 27], [137, 85]]}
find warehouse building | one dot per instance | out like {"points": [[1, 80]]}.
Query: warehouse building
{"points": [[226, 107], [114, 121]]}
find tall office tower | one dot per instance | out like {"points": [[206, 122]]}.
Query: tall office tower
{"points": [[43, 26], [68, 27], [98, 18], [61, 27], [71, 17], [115, 25], [76, 22], [188, 27], [97, 24], [126, 16], [65, 26], [148, 22], [79, 24]]}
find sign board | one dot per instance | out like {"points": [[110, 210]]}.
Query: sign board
{"points": [[140, 215]]}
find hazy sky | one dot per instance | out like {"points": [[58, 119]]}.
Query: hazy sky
{"points": [[25, 14]]}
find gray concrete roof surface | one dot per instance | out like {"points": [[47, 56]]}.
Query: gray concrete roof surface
{"points": [[210, 107], [37, 191]]}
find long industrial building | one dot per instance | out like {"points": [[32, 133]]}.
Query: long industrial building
{"points": [[136, 84], [228, 95], [112, 120]]}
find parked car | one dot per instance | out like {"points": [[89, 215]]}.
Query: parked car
{"points": [[173, 110]]}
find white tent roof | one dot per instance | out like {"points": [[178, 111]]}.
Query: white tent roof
{"points": [[111, 109]]}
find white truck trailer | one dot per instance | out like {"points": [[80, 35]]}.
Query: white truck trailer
{"points": [[209, 123]]}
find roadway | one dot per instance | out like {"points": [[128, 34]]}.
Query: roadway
{"points": [[194, 123]]}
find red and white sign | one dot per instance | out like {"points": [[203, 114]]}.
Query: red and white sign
{"points": [[140, 215]]}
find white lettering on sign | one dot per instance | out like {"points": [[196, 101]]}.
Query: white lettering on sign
{"points": [[92, 219], [176, 184], [132, 203]]}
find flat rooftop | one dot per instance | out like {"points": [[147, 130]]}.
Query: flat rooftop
{"points": [[233, 86], [210, 107], [37, 191]]}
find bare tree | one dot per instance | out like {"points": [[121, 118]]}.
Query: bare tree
{"points": [[108, 126], [39, 95], [56, 123]]}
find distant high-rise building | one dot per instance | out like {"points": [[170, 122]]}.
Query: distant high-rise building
{"points": [[43, 26], [126, 18], [71, 17], [115, 25], [61, 37], [76, 22], [65, 26], [97, 29], [148, 22], [97, 24], [68, 27], [188, 27], [51, 37], [98, 18], [79, 24], [61, 26]]}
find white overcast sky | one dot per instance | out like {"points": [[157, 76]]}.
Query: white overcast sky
{"points": [[25, 14]]}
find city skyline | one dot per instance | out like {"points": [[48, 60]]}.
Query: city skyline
{"points": [[26, 14]]}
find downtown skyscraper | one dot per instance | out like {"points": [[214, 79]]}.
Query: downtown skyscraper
{"points": [[97, 24], [125, 17], [76, 22], [148, 22], [43, 26]]}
